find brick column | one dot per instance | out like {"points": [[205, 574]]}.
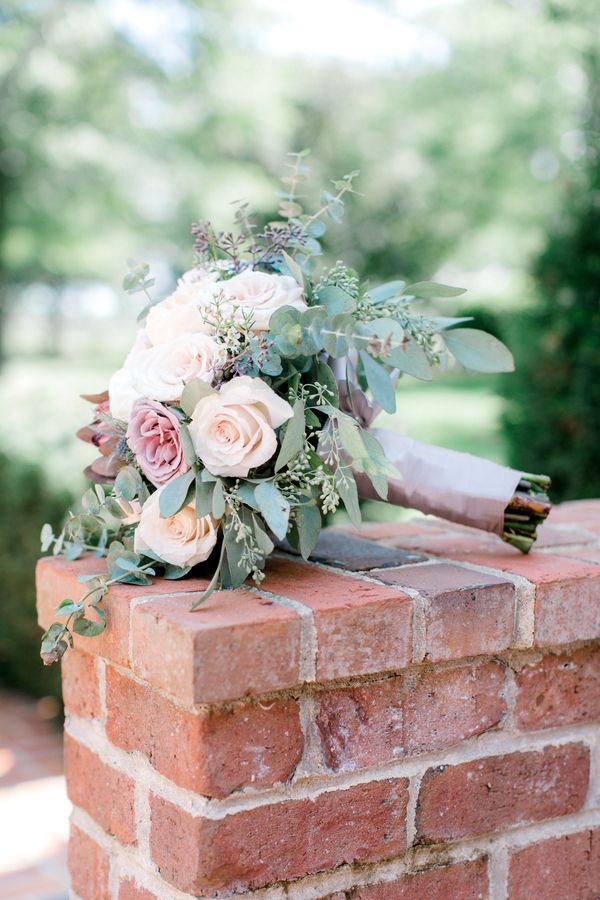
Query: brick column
{"points": [[414, 715]]}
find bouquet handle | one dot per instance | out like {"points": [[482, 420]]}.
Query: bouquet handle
{"points": [[456, 486]]}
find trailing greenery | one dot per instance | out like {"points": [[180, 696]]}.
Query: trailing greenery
{"points": [[27, 500]]}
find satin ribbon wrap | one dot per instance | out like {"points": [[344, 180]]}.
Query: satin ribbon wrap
{"points": [[455, 486]]}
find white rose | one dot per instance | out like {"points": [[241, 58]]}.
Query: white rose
{"points": [[178, 314], [122, 394], [142, 342], [162, 372], [233, 430], [259, 293], [182, 539]]}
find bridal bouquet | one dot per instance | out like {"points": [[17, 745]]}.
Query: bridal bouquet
{"points": [[241, 412]]}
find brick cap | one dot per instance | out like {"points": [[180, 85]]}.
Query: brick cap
{"points": [[315, 622]]}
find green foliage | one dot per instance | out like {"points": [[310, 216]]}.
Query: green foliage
{"points": [[27, 501], [554, 397]]}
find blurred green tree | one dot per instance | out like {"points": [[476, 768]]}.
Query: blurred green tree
{"points": [[553, 418], [111, 143], [27, 502]]}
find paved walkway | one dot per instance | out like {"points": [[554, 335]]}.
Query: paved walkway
{"points": [[34, 809]]}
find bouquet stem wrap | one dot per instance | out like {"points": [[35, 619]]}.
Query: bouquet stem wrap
{"points": [[456, 486]]}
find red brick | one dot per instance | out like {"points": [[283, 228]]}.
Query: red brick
{"points": [[88, 866], [575, 511], [569, 610], [557, 869], [537, 567], [461, 542], [485, 795], [102, 791], [280, 841], [213, 751], [80, 688], [361, 627], [461, 881], [446, 707], [236, 644], [466, 613], [399, 717], [57, 579], [388, 532], [567, 606], [451, 542], [559, 690], [587, 554], [129, 889]]}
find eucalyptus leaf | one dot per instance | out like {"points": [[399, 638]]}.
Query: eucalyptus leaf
{"points": [[293, 438], [90, 502], [187, 446], [338, 335], [386, 291], [204, 495], [88, 628], [429, 290], [214, 581], [218, 500], [324, 375], [66, 607], [350, 436], [411, 359], [174, 494], [478, 351], [193, 392], [46, 537], [294, 269], [346, 487], [262, 538], [245, 492], [316, 228], [274, 507], [115, 510], [172, 573], [443, 322], [72, 550], [308, 524], [335, 300], [379, 382], [236, 570], [126, 483], [283, 318], [128, 565]]}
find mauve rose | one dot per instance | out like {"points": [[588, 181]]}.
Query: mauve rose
{"points": [[153, 435]]}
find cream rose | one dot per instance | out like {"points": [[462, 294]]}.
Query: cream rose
{"points": [[161, 372], [122, 394], [258, 293], [233, 430], [182, 539], [177, 315]]}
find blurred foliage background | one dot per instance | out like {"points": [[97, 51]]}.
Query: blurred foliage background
{"points": [[475, 127]]}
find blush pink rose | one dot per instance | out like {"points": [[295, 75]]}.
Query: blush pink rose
{"points": [[153, 435]]}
